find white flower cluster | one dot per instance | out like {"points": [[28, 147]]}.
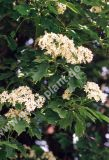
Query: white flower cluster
{"points": [[93, 92], [67, 94], [48, 156], [4, 96], [60, 45], [96, 9], [84, 55], [13, 113], [30, 152], [61, 8], [23, 95]]}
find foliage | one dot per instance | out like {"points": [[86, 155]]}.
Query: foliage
{"points": [[27, 65]]}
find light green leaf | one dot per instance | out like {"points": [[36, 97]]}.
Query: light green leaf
{"points": [[20, 127], [79, 128], [98, 115], [7, 143], [62, 113]]}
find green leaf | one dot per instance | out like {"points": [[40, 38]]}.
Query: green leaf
{"points": [[19, 146], [3, 121], [22, 9], [67, 121], [13, 33], [70, 6], [7, 143], [107, 31], [2, 154], [20, 127], [88, 31], [93, 112], [80, 124], [56, 107], [79, 128], [98, 115], [77, 81], [10, 152], [61, 112], [86, 114], [11, 43], [40, 72], [103, 117], [34, 129], [14, 145], [52, 9], [1, 105], [51, 117]]}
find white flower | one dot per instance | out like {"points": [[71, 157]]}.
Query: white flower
{"points": [[40, 102], [13, 113], [61, 8], [84, 55], [96, 9], [67, 94], [23, 95], [75, 138], [48, 156], [60, 45], [30, 152], [20, 73], [25, 115], [93, 92], [4, 97]]}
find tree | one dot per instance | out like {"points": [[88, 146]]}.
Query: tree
{"points": [[51, 53]]}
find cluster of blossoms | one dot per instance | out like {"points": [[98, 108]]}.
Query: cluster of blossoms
{"points": [[61, 8], [48, 156], [4, 96], [96, 9], [30, 152], [67, 94], [23, 95], [60, 45], [93, 92], [84, 55], [13, 113]]}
